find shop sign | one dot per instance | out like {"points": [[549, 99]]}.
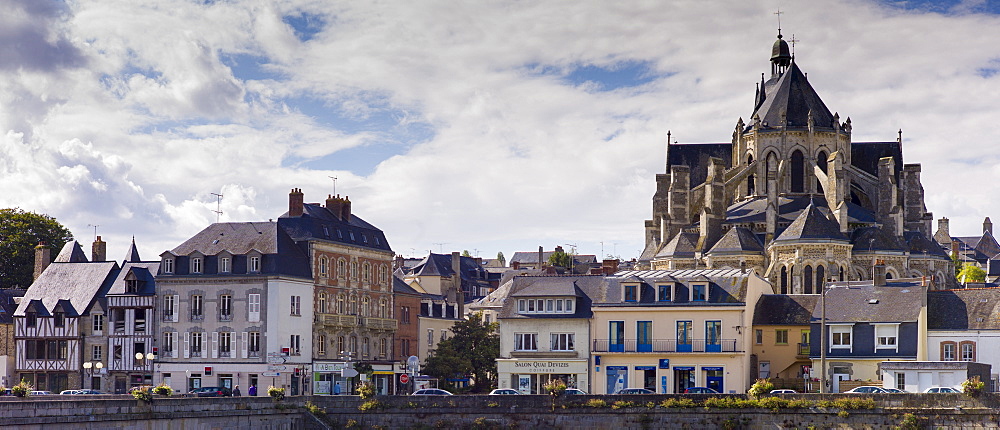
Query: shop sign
{"points": [[711, 368], [328, 367], [664, 363], [684, 368], [645, 367], [548, 367]]}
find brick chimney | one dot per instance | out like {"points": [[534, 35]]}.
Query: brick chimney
{"points": [[345, 210], [988, 226], [516, 265], [295, 202], [43, 256], [334, 204], [540, 253], [609, 266], [99, 251], [878, 273]]}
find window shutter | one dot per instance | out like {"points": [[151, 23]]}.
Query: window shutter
{"points": [[177, 302], [254, 311], [243, 345], [215, 344], [187, 345]]}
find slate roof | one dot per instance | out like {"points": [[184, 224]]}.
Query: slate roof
{"points": [[144, 273], [754, 211], [895, 302], [133, 254], [726, 285], [440, 265], [920, 244], [525, 257], [738, 240], [865, 156], [811, 224], [7, 305], [681, 246], [785, 309], [875, 239], [972, 309], [586, 288], [318, 223], [696, 156], [282, 254], [401, 287], [791, 95], [78, 284], [71, 252]]}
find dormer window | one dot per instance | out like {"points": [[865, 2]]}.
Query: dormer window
{"points": [[168, 265], [31, 319], [131, 286], [699, 292], [664, 292], [225, 265], [631, 293], [545, 306], [59, 319], [253, 264], [196, 265]]}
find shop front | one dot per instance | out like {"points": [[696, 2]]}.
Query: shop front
{"points": [[529, 375], [328, 378]]}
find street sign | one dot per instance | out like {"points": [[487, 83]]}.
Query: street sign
{"points": [[348, 372], [413, 363], [276, 368], [271, 374], [275, 358], [404, 378]]}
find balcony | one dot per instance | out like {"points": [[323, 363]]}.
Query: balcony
{"points": [[803, 350], [381, 324], [168, 316], [225, 317], [665, 345], [331, 320], [543, 354]]}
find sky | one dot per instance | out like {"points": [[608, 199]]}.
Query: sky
{"points": [[489, 126]]}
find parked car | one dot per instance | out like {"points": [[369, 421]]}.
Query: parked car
{"points": [[66, 392], [941, 390], [893, 390], [211, 392], [431, 392], [700, 390], [635, 391], [576, 391], [502, 391], [866, 389], [784, 391], [40, 393]]}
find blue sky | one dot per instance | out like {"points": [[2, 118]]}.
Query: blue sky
{"points": [[488, 127]]}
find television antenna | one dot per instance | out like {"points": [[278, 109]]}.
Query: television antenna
{"points": [[218, 206], [95, 230], [334, 184]]}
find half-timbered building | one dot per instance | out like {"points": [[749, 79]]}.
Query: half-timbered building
{"points": [[130, 332]]}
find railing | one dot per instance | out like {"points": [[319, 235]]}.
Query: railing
{"points": [[168, 317], [199, 317], [665, 345], [381, 323], [225, 354], [166, 354], [196, 353], [337, 320], [225, 317], [804, 349], [254, 354]]}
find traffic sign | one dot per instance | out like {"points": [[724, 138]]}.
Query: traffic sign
{"points": [[404, 378], [271, 374], [348, 373]]}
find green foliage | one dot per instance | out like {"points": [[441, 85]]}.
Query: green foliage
{"points": [[621, 404], [276, 393], [555, 387], [761, 387], [163, 390], [910, 422], [502, 259], [466, 253], [678, 402], [22, 389], [371, 405], [471, 351], [972, 387], [317, 411], [597, 403], [20, 233], [142, 393], [492, 404], [351, 424], [366, 390], [560, 258], [843, 414], [971, 273]]}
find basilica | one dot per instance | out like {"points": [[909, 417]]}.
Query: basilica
{"points": [[793, 197]]}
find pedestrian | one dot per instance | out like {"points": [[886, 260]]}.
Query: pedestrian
{"points": [[336, 389], [253, 391], [236, 391]]}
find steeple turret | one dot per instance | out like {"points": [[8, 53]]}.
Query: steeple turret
{"points": [[781, 56]]}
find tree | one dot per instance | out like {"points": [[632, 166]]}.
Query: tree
{"points": [[471, 352], [20, 232], [971, 273], [560, 258], [502, 259], [466, 253]]}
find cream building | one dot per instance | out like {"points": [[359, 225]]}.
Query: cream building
{"points": [[781, 339]]}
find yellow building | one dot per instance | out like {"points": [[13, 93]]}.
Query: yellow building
{"points": [[670, 330], [781, 339]]}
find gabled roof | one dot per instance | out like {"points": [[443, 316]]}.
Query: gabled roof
{"points": [[738, 240], [811, 224], [895, 302], [133, 254], [755, 210], [142, 271], [785, 309], [318, 223], [972, 309], [7, 305], [400, 287], [696, 156], [875, 239], [71, 253], [865, 155], [525, 257], [440, 265], [681, 246], [920, 244], [77, 283], [792, 98]]}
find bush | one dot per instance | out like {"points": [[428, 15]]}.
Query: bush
{"points": [[143, 393], [675, 402], [761, 387], [621, 404], [370, 405], [910, 422], [555, 387], [366, 390], [163, 390], [597, 403], [973, 387], [276, 393], [22, 389]]}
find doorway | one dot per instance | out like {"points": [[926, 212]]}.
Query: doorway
{"points": [[713, 378], [684, 378]]}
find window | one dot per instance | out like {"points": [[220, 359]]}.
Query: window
{"points": [[562, 341], [525, 341], [321, 345], [430, 337], [644, 335], [900, 380], [713, 333], [296, 305], [168, 343], [341, 345], [254, 264], [140, 320], [404, 314], [404, 346], [885, 336], [549, 306], [365, 347], [253, 307], [699, 292], [169, 307], [948, 351], [31, 319], [366, 307], [840, 336], [522, 306], [97, 353], [569, 306], [196, 266], [531, 306], [631, 293], [683, 333], [225, 307], [321, 303], [323, 266], [559, 306], [616, 335], [98, 323], [294, 345], [197, 307], [168, 265], [118, 319], [225, 265], [968, 350], [758, 336], [444, 334], [354, 270], [383, 347], [354, 344], [131, 286], [196, 344], [781, 337], [225, 344], [340, 304], [664, 292], [366, 273], [341, 268], [382, 309], [253, 343]]}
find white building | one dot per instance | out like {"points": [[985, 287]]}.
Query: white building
{"points": [[963, 326]]}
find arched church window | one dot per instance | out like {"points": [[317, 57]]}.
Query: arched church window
{"points": [[770, 165], [820, 278], [821, 162], [798, 172], [784, 280], [807, 276], [750, 179], [841, 277]]}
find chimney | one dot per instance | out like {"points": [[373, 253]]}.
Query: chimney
{"points": [[334, 204], [43, 256], [516, 265], [609, 266], [988, 226], [540, 253], [99, 251], [295, 202], [345, 210], [398, 262], [878, 273]]}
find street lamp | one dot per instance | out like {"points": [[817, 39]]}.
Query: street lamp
{"points": [[91, 367], [145, 360]]}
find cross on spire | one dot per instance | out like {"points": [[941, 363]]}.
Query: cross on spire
{"points": [[779, 12], [792, 41]]}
